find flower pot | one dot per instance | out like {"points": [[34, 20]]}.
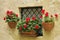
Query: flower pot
{"points": [[12, 24], [31, 33], [48, 26]]}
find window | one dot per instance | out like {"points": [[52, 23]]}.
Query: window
{"points": [[29, 12]]}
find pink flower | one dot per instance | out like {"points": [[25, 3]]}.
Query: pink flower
{"points": [[25, 26], [36, 27], [56, 15], [41, 17], [4, 18], [20, 28], [33, 18], [9, 12], [27, 19], [46, 14], [42, 11], [16, 15]]}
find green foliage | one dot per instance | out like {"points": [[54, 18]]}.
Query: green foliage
{"points": [[30, 26], [48, 19], [12, 18]]}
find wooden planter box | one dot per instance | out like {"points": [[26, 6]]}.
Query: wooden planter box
{"points": [[31, 33], [12, 24], [48, 26]]}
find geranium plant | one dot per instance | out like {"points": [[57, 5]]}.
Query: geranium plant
{"points": [[11, 16], [29, 25], [48, 20]]}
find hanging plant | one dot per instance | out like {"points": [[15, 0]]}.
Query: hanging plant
{"points": [[11, 18], [48, 21]]}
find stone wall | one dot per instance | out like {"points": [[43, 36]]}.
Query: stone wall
{"points": [[52, 6]]}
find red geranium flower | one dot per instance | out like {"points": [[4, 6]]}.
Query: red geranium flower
{"points": [[25, 26], [41, 17], [42, 11], [33, 18], [36, 27], [27, 19], [56, 15], [9, 12], [20, 28], [16, 15], [46, 14], [4, 18]]}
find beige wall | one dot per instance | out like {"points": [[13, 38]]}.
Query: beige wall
{"points": [[49, 5]]}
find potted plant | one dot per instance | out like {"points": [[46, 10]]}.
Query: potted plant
{"points": [[11, 18], [29, 26], [48, 21]]}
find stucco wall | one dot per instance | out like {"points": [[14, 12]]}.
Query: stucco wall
{"points": [[52, 6]]}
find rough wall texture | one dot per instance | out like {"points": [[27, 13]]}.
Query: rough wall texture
{"points": [[52, 6]]}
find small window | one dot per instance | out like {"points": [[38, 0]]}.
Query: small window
{"points": [[29, 12]]}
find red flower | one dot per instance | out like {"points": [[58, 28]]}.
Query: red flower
{"points": [[16, 15], [4, 18], [9, 12], [36, 27], [27, 19], [46, 14], [25, 26], [20, 28], [33, 18], [41, 17], [42, 11], [56, 15]]}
